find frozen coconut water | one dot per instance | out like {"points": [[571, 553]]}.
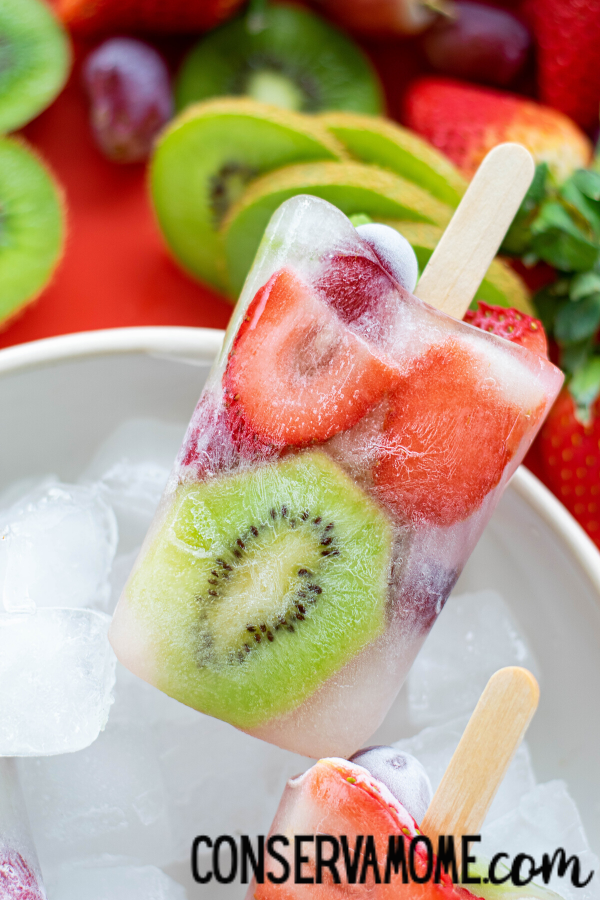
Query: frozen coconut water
{"points": [[348, 449]]}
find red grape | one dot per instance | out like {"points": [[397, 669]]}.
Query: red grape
{"points": [[130, 95], [480, 43]]}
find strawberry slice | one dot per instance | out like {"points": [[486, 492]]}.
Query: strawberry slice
{"points": [[511, 324], [336, 797], [16, 877], [296, 374], [448, 436]]}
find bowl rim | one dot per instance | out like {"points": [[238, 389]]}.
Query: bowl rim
{"points": [[200, 346]]}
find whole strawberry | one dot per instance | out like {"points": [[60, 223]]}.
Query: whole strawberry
{"points": [[569, 454], [567, 34], [101, 16], [511, 324], [465, 121]]}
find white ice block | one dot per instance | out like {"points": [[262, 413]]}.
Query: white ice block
{"points": [[20, 875], [56, 679], [109, 799], [131, 469], [476, 636], [56, 548], [114, 883], [543, 820]]}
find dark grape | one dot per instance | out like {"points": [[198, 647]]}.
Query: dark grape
{"points": [[130, 95], [402, 774], [393, 251], [480, 43]]}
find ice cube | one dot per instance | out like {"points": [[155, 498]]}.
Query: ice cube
{"points": [[56, 678], [475, 635], [220, 780], [107, 799], [132, 467], [56, 549], [434, 746], [114, 883], [545, 819]]}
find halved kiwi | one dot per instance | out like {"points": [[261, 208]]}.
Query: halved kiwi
{"points": [[260, 586], [294, 59], [501, 285], [205, 159], [35, 57], [383, 143], [352, 187], [31, 226]]}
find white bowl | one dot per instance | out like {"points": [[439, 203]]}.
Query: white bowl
{"points": [[61, 397]]}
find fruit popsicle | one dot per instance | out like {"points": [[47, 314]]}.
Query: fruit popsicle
{"points": [[346, 453], [354, 821], [20, 877]]}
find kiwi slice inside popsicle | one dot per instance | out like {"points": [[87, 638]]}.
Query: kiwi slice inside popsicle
{"points": [[260, 586]]}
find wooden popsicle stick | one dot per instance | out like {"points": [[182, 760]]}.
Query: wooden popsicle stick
{"points": [[470, 242], [483, 755]]}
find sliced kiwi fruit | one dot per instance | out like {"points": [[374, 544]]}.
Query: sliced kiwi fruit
{"points": [[205, 159], [35, 58], [352, 187], [261, 585], [31, 226], [383, 143], [291, 58], [501, 285]]}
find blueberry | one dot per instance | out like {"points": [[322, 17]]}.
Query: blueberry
{"points": [[393, 251], [402, 774]]}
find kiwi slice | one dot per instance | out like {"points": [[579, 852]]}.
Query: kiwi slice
{"points": [[383, 143], [261, 585], [352, 187], [293, 59], [35, 58], [31, 226], [501, 285], [203, 162]]}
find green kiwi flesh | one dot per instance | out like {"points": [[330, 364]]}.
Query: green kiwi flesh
{"points": [[31, 226], [352, 187], [294, 59], [261, 585], [35, 58], [382, 143], [203, 162], [501, 285]]}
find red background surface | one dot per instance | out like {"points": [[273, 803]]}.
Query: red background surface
{"points": [[115, 271]]}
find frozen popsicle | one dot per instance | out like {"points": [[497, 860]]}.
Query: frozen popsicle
{"points": [[20, 877], [347, 451], [353, 821]]}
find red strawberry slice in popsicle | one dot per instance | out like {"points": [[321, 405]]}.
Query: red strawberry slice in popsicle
{"points": [[17, 879], [338, 798], [296, 374], [448, 437]]}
